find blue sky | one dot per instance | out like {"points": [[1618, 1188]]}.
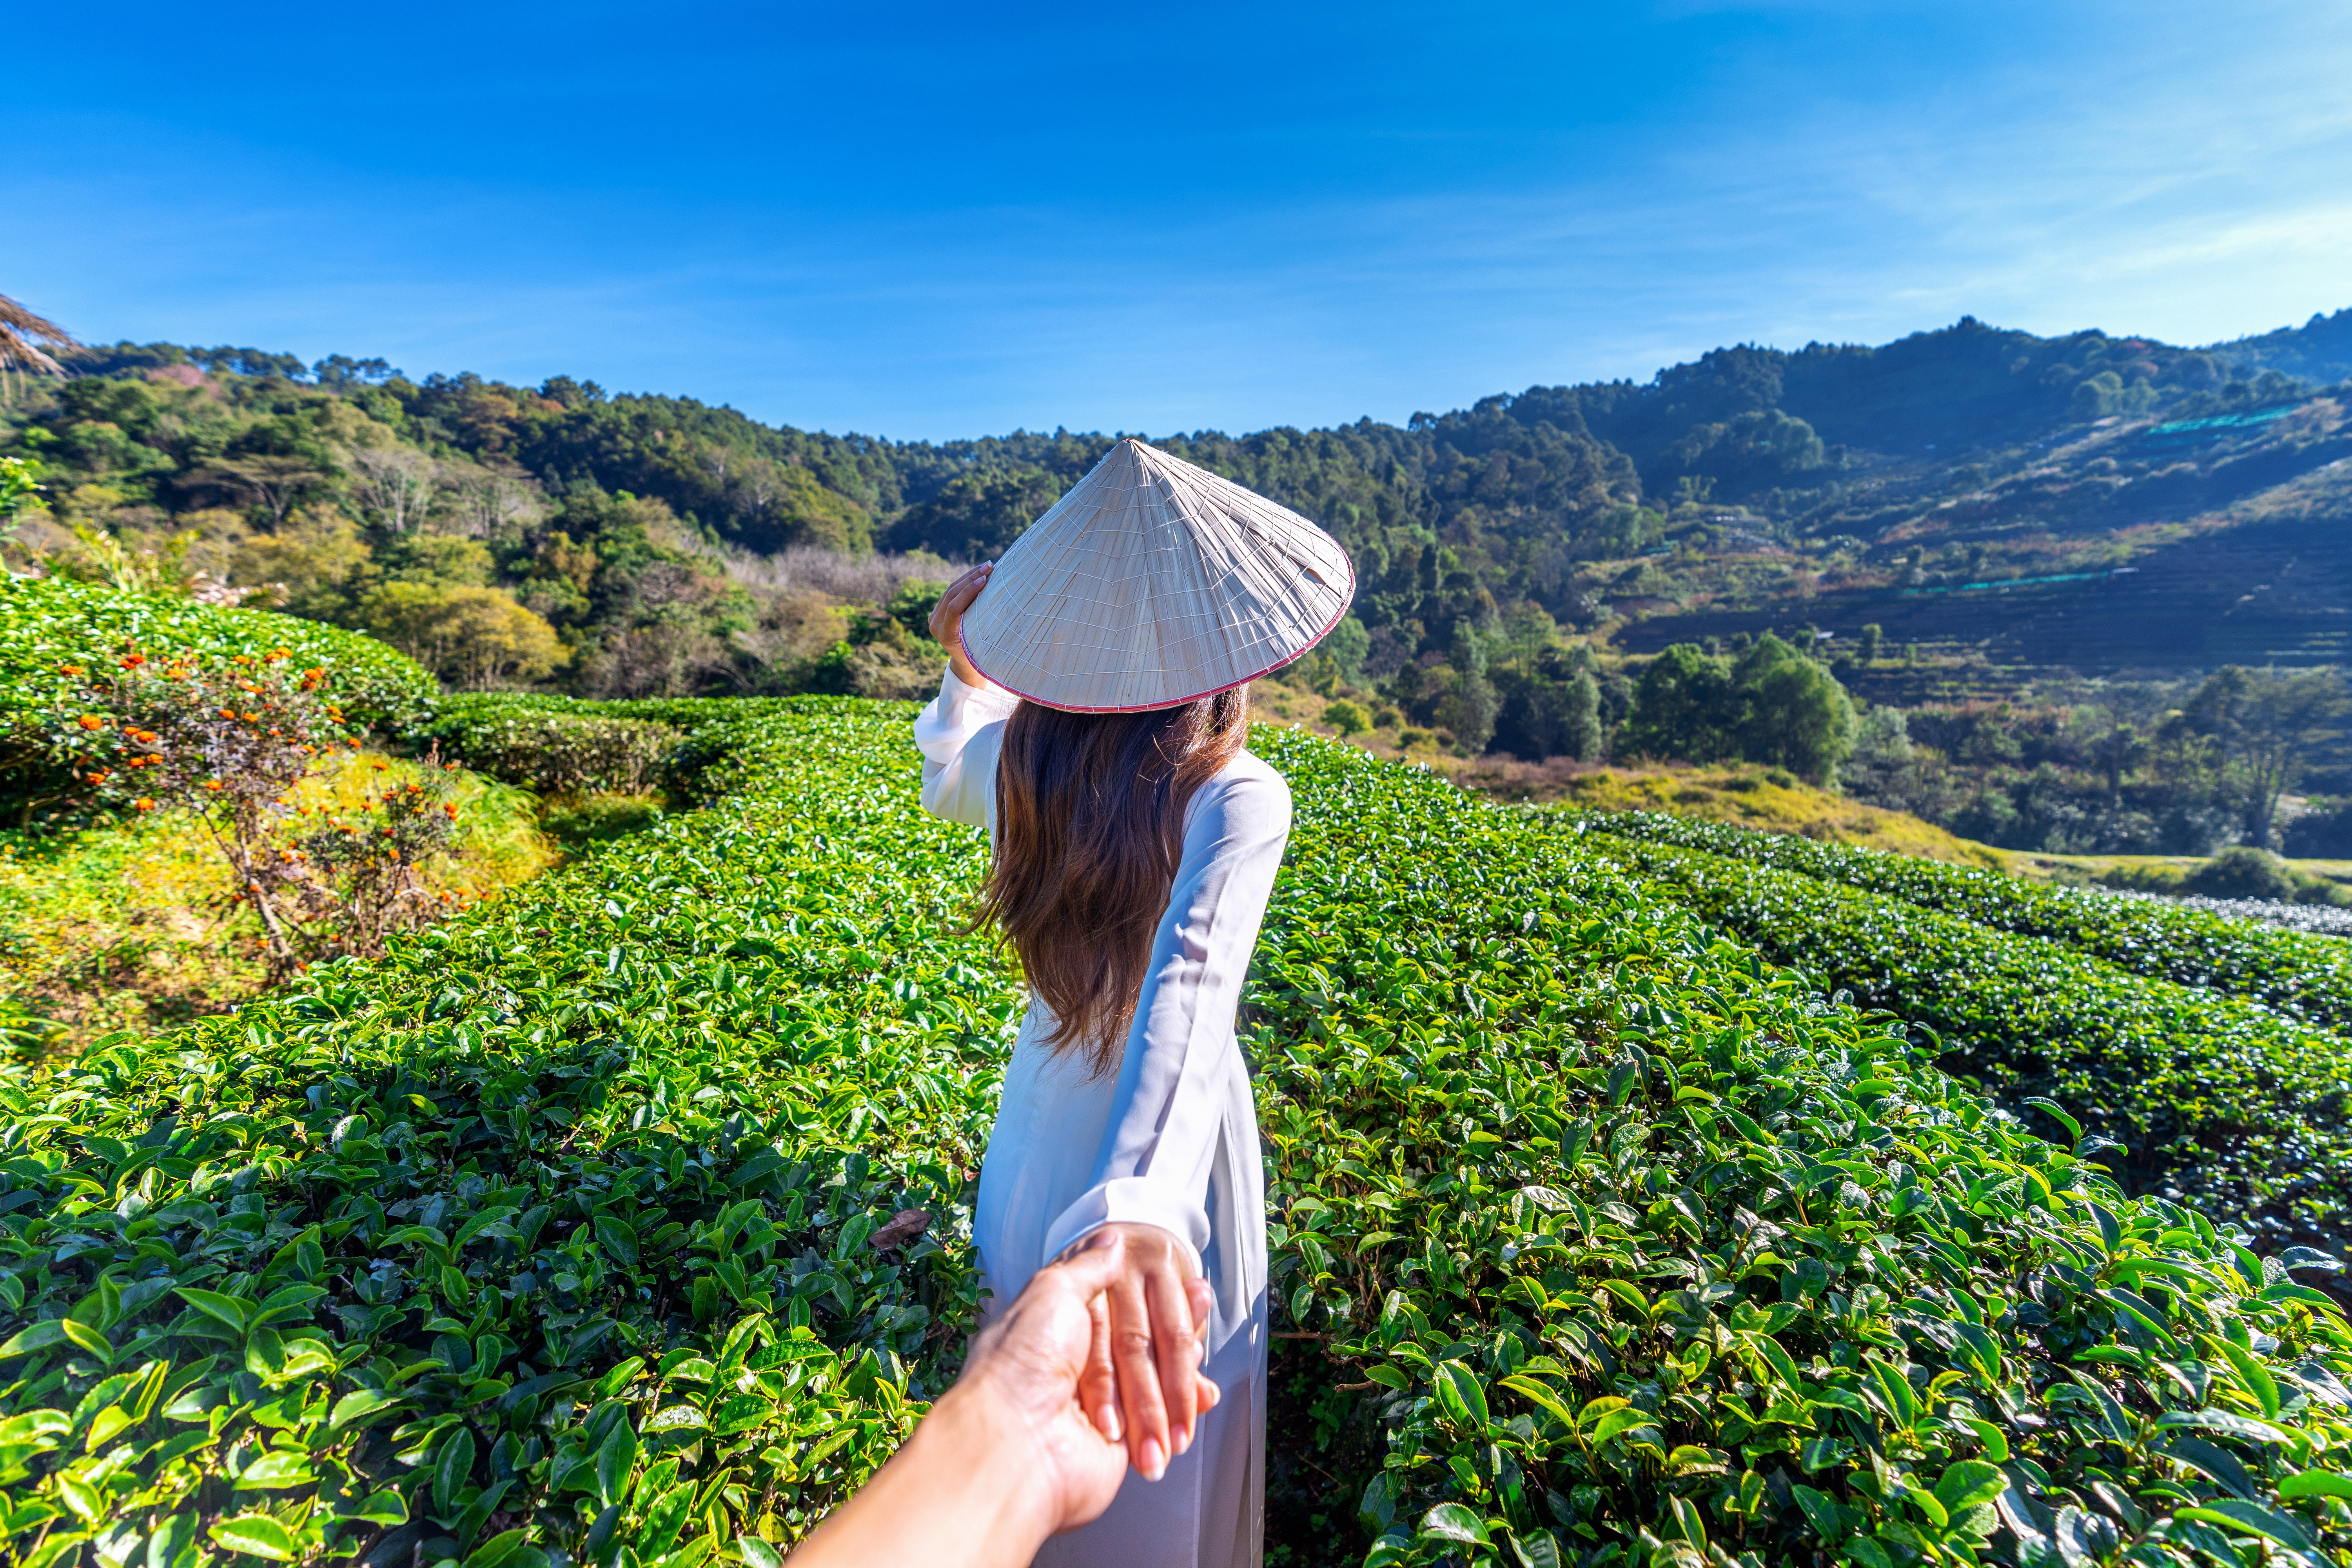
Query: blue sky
{"points": [[927, 221]]}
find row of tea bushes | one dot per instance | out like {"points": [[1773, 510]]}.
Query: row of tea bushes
{"points": [[1640, 1250], [2216, 1101], [556, 1232], [2294, 972]]}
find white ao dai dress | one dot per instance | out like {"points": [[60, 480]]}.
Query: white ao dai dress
{"points": [[1170, 1138]]}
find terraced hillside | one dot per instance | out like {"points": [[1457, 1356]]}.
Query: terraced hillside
{"points": [[551, 1238]]}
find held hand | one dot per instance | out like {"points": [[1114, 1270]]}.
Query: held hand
{"points": [[1156, 1312], [1036, 1362], [947, 617], [1007, 1457]]}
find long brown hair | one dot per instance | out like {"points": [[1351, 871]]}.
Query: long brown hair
{"points": [[1089, 830]]}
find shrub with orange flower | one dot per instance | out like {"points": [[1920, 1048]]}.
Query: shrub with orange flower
{"points": [[229, 741]]}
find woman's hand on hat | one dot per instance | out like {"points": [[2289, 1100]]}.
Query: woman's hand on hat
{"points": [[947, 620]]}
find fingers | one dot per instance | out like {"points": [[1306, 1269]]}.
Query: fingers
{"points": [[1098, 1262], [966, 588], [1099, 1382], [1088, 1273], [1203, 1301], [1176, 1350], [1146, 1413], [1204, 1298], [949, 611]]}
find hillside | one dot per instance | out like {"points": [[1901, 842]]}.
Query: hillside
{"points": [[2084, 501]]}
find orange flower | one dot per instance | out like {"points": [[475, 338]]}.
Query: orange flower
{"points": [[354, 745], [70, 670], [228, 713], [143, 803], [451, 810], [133, 660], [212, 784], [91, 722], [98, 777]]}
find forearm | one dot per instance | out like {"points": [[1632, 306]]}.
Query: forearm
{"points": [[962, 1493], [965, 670]]}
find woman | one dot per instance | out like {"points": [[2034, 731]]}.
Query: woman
{"points": [[1136, 842]]}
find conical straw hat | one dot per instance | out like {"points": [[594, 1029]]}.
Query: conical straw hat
{"points": [[1150, 583]]}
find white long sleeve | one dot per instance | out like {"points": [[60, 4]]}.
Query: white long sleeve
{"points": [[1170, 1138], [1181, 1072], [960, 735]]}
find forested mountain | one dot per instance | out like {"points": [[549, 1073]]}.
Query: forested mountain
{"points": [[1974, 513], [1969, 453], [2319, 351]]}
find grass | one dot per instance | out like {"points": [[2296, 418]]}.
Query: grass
{"points": [[132, 928], [2153, 873]]}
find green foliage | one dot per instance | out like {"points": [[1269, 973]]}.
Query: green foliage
{"points": [[1641, 1247], [2307, 977], [1773, 704], [1348, 718], [468, 635], [2241, 871], [621, 521], [595, 817], [552, 746], [20, 492], [2206, 1097], [54, 633], [560, 1218], [559, 1213]]}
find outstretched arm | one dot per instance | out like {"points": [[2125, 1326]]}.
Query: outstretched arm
{"points": [[1008, 1456], [1175, 1079], [960, 731]]}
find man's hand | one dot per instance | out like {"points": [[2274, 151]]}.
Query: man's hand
{"points": [[1008, 1456], [947, 619], [1043, 1363]]}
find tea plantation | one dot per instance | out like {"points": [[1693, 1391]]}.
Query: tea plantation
{"points": [[552, 1238], [2236, 1104]]}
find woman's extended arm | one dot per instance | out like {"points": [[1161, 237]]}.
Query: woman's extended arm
{"points": [[1007, 1457], [1175, 1079]]}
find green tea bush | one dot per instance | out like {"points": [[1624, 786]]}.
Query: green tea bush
{"points": [[2217, 1100], [626, 1222], [2297, 974], [54, 632], [553, 750], [1643, 1251], [549, 1232]]}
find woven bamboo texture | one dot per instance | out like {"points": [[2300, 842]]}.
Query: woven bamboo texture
{"points": [[1152, 583]]}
